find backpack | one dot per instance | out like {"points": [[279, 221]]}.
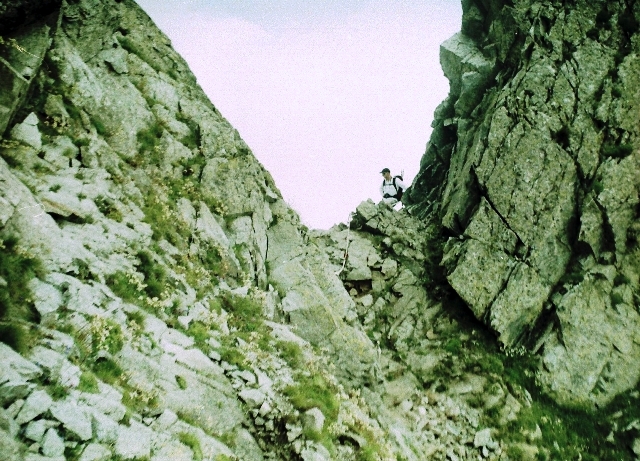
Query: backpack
{"points": [[399, 190]]}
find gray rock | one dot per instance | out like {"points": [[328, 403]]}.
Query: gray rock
{"points": [[482, 438], [54, 108], [389, 268], [108, 402], [35, 430], [105, 429], [253, 397], [246, 446], [95, 452], [367, 209], [73, 417], [133, 441], [52, 444], [27, 132], [13, 390], [316, 452], [117, 59], [58, 367], [313, 420], [15, 367], [167, 419], [36, 404], [61, 152], [479, 275], [196, 360], [36, 457]]}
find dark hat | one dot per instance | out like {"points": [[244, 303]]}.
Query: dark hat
{"points": [[385, 170]]}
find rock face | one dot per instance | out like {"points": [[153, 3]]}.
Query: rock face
{"points": [[165, 301], [150, 219], [159, 299], [533, 168]]}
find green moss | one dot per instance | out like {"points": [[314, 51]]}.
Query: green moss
{"points": [[161, 217], [148, 140], [621, 279], [106, 370], [107, 208], [17, 311], [233, 356], [314, 392], [88, 383], [616, 298], [597, 187], [57, 391], [137, 317], [181, 382], [17, 337], [192, 442], [247, 313], [123, 287], [515, 452], [212, 259], [291, 352], [616, 91], [101, 129], [491, 364], [617, 150], [453, 346], [139, 401], [573, 276], [108, 339], [155, 275], [199, 332]]}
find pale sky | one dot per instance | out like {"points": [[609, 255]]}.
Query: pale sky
{"points": [[326, 93]]}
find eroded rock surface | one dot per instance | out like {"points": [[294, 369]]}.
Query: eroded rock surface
{"points": [[533, 166]]}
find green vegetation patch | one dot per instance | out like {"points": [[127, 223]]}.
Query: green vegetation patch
{"points": [[155, 275], [17, 311], [247, 315], [106, 370], [292, 353], [199, 332], [106, 335], [148, 140], [107, 208], [617, 150], [314, 392], [124, 286], [88, 383], [193, 443]]}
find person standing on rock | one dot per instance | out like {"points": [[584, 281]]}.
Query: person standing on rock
{"points": [[392, 188]]}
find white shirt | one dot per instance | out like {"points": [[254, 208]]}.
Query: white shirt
{"points": [[387, 186]]}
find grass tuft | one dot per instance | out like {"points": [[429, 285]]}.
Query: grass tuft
{"points": [[192, 442]]}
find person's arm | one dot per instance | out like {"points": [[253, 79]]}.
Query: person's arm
{"points": [[402, 184], [382, 189]]}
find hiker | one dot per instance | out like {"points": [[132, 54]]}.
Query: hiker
{"points": [[392, 188]]}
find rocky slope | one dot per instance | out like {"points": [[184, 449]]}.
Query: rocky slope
{"points": [[160, 301], [533, 171]]}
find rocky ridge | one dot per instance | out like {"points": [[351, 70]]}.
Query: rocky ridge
{"points": [[161, 300], [532, 170]]}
